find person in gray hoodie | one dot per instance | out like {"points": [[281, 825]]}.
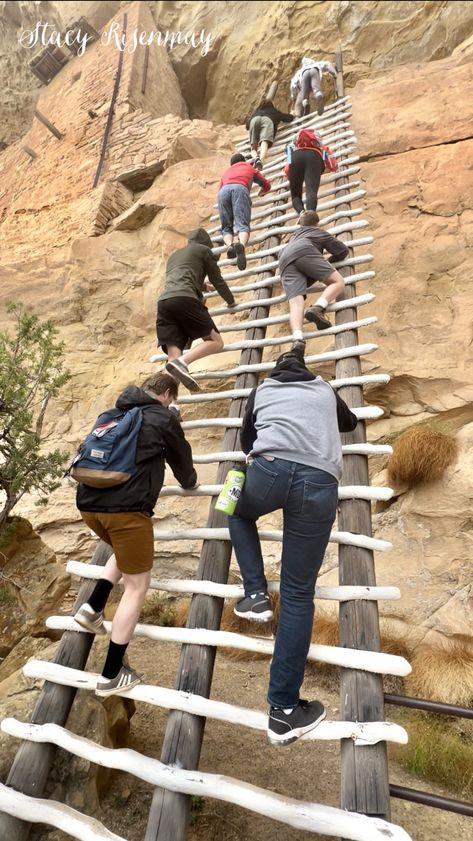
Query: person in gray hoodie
{"points": [[291, 428], [300, 264], [182, 315]]}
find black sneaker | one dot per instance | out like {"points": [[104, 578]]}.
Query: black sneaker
{"points": [[240, 255], [256, 607], [180, 372], [258, 164], [231, 253], [297, 349], [284, 728]]}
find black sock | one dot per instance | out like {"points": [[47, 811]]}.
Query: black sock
{"points": [[114, 660], [100, 594]]}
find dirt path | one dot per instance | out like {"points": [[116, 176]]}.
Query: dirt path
{"points": [[306, 771]]}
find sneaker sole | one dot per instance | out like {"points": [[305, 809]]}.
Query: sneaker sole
{"points": [[84, 623], [104, 693], [315, 319], [266, 616], [282, 741], [320, 104], [183, 378], [241, 259]]}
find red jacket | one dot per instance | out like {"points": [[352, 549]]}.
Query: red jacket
{"points": [[244, 174]]}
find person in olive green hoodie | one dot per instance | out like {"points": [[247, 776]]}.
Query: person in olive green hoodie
{"points": [[182, 315]]}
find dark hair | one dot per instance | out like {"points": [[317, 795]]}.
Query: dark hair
{"points": [[237, 158], [265, 103], [161, 382], [309, 217]]}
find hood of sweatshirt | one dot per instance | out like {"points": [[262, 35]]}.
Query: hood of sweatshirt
{"points": [[200, 235], [289, 369], [135, 396]]}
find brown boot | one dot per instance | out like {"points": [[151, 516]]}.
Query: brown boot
{"points": [[316, 314]]}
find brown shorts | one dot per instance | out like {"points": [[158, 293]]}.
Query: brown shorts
{"points": [[130, 534]]}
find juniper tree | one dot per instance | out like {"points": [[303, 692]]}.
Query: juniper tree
{"points": [[31, 373]]}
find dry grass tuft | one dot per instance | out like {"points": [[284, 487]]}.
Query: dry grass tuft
{"points": [[421, 454], [443, 672]]}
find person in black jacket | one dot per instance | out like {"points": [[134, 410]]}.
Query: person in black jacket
{"points": [[263, 125], [182, 316], [291, 430], [301, 263], [121, 516]]}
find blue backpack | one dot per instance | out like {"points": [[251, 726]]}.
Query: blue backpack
{"points": [[107, 457]]}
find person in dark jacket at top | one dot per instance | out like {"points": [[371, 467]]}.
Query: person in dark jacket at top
{"points": [[301, 263], [182, 316], [291, 428], [234, 205], [121, 516], [263, 125]]}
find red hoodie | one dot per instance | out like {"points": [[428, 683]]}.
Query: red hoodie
{"points": [[243, 173]]}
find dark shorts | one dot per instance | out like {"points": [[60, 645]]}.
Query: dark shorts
{"points": [[130, 534], [180, 320]]}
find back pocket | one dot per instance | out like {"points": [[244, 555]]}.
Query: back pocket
{"points": [[320, 501], [259, 480]]}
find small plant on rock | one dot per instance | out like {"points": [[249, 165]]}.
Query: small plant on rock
{"points": [[421, 454], [31, 372]]}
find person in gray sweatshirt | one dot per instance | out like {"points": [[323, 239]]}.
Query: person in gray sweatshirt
{"points": [[291, 428], [300, 264]]}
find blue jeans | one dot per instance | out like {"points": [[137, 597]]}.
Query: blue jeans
{"points": [[308, 498], [234, 207]]}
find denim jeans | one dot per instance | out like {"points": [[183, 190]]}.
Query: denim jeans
{"points": [[234, 207], [308, 498]]}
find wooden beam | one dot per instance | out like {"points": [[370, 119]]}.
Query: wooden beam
{"points": [[364, 775], [145, 70], [30, 152], [44, 120], [32, 763], [272, 90]]}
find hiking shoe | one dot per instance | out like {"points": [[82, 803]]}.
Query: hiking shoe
{"points": [[284, 728], [180, 372], [231, 253], [316, 314], [297, 349], [90, 619], [319, 102], [240, 255], [258, 164], [305, 107], [126, 678], [256, 607]]}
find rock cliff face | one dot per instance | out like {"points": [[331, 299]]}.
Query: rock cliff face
{"points": [[410, 67]]}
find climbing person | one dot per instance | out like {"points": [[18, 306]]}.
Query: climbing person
{"points": [[291, 432], [300, 264], [305, 165], [306, 80], [121, 515], [234, 205], [262, 126], [181, 314]]}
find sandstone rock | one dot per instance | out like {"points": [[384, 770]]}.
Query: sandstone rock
{"points": [[36, 584], [137, 216], [141, 177]]}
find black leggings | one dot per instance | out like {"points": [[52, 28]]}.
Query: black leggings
{"points": [[306, 165]]}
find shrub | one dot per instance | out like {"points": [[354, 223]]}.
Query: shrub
{"points": [[421, 454], [443, 672]]}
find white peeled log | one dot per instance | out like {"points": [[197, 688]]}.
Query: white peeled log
{"points": [[348, 658], [344, 537], [235, 393], [344, 593], [361, 412], [52, 813], [272, 281], [375, 450], [325, 820], [362, 733], [341, 353], [344, 491]]}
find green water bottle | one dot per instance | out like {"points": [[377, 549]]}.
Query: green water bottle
{"points": [[230, 493]]}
